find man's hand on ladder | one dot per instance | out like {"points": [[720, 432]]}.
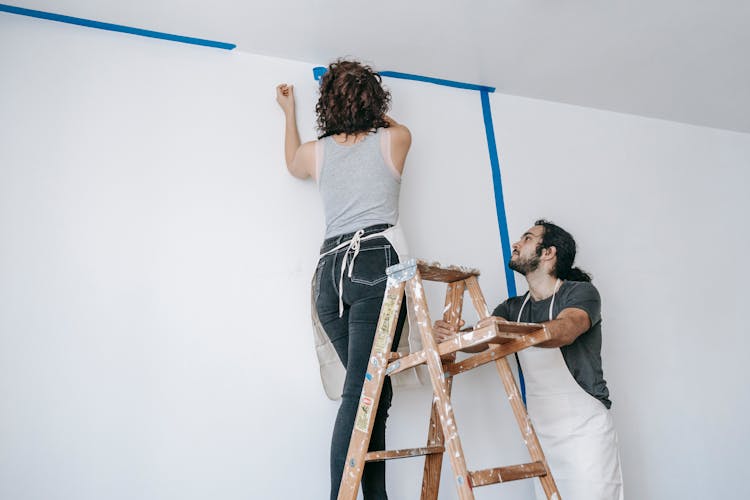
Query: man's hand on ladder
{"points": [[442, 330]]}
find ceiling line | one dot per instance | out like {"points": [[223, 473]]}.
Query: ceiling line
{"points": [[114, 27], [318, 72]]}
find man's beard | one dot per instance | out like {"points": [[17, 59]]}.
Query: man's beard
{"points": [[525, 266]]}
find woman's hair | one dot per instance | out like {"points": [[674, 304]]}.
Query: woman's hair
{"points": [[352, 99], [555, 236]]}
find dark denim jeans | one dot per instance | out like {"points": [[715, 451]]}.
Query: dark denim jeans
{"points": [[352, 336]]}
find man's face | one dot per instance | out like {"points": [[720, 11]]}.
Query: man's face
{"points": [[525, 258]]}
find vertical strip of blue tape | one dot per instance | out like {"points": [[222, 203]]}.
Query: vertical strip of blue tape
{"points": [[502, 221], [498, 185]]}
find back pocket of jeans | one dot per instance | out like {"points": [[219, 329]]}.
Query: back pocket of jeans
{"points": [[370, 265]]}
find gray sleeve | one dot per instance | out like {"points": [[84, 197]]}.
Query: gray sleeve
{"points": [[585, 296], [502, 310]]}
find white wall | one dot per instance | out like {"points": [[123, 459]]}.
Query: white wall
{"points": [[658, 210], [155, 260]]}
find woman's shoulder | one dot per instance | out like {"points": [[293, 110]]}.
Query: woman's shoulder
{"points": [[399, 139], [306, 158], [398, 132]]}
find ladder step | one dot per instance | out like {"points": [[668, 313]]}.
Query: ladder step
{"points": [[497, 351], [494, 331], [376, 456], [511, 329], [512, 336], [505, 474], [434, 271], [393, 356], [406, 362]]}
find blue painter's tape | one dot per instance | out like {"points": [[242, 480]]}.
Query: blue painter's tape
{"points": [[502, 220], [114, 27], [498, 185], [521, 381], [319, 71], [437, 81]]}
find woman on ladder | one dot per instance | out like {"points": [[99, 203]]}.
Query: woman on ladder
{"points": [[357, 162]]}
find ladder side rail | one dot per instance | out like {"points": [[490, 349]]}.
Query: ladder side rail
{"points": [[416, 299], [454, 298], [477, 298], [514, 396], [373, 385], [527, 428]]}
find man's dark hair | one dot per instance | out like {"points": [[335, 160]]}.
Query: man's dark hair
{"points": [[555, 236], [352, 100]]}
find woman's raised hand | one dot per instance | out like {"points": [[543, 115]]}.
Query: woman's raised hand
{"points": [[285, 96]]}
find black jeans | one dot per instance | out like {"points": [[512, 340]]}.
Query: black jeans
{"points": [[352, 335]]}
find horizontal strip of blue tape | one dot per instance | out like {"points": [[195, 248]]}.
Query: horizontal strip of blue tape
{"points": [[114, 27], [319, 71], [437, 81]]}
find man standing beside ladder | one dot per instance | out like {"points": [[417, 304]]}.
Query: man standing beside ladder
{"points": [[567, 396]]}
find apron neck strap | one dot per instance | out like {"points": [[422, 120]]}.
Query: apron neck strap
{"points": [[558, 284]]}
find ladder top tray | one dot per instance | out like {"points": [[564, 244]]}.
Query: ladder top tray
{"points": [[431, 271], [511, 328]]}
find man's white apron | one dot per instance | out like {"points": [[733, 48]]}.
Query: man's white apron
{"points": [[575, 429]]}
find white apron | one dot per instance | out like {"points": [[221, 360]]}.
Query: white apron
{"points": [[575, 429], [332, 372]]}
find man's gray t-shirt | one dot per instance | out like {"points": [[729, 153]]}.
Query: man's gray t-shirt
{"points": [[583, 356]]}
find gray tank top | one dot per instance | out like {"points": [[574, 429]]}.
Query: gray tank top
{"points": [[358, 187]]}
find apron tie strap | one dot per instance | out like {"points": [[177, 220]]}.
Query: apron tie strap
{"points": [[354, 248]]}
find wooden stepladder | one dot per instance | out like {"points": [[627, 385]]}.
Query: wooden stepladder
{"points": [[503, 338]]}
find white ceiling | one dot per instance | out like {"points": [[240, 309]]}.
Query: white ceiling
{"points": [[681, 60]]}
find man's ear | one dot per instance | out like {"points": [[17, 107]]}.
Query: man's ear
{"points": [[549, 253]]}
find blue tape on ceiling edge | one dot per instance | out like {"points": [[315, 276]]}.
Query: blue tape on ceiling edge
{"points": [[319, 71], [114, 27], [437, 81]]}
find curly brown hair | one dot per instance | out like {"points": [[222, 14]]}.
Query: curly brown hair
{"points": [[352, 100]]}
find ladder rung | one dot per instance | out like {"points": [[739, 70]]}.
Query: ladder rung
{"points": [[509, 473], [375, 456], [433, 271], [471, 338], [512, 336], [406, 362], [497, 331], [393, 356], [497, 351]]}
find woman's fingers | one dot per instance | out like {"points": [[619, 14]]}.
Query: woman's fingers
{"points": [[285, 95], [284, 89]]}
